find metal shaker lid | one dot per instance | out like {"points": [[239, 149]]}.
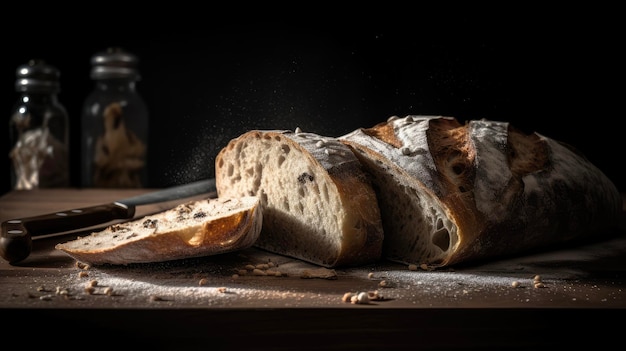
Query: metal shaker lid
{"points": [[37, 76], [114, 63]]}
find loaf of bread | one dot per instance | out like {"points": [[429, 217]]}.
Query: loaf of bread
{"points": [[452, 193], [318, 203], [192, 229]]}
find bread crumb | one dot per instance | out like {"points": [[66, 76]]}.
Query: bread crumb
{"points": [[384, 284]]}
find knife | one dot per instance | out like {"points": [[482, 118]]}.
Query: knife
{"points": [[16, 236]]}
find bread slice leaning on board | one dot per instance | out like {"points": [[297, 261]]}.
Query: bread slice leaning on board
{"points": [[452, 193], [317, 201], [192, 229]]}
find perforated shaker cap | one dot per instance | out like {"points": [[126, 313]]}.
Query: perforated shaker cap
{"points": [[114, 63], [37, 76]]}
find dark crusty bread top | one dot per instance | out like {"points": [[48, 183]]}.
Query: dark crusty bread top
{"points": [[497, 190]]}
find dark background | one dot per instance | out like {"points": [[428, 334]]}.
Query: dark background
{"points": [[205, 82]]}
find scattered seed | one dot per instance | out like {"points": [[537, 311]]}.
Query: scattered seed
{"points": [[412, 267], [203, 281], [360, 298], [108, 290], [516, 284], [90, 289], [93, 283], [257, 271], [83, 274], [370, 275], [347, 297], [221, 289], [374, 295], [156, 298]]}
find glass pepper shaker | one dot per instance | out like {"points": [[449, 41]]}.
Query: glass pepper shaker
{"points": [[38, 130], [114, 140]]}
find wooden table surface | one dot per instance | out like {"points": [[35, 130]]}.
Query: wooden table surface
{"points": [[191, 301]]}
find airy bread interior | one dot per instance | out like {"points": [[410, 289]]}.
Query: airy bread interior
{"points": [[317, 202]]}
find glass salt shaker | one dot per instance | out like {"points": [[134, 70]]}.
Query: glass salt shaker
{"points": [[38, 130], [114, 140]]}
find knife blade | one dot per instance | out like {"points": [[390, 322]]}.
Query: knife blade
{"points": [[16, 236]]}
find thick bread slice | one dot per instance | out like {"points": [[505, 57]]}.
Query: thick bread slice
{"points": [[318, 203], [193, 229], [452, 193]]}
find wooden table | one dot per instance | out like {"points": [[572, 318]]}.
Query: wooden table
{"points": [[210, 302]]}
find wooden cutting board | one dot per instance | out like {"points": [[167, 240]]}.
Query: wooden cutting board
{"points": [[592, 275], [219, 301]]}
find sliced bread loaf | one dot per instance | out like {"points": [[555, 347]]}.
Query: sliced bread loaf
{"points": [[193, 229], [452, 193], [318, 203]]}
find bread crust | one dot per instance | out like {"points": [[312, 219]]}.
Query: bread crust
{"points": [[193, 229], [495, 190], [332, 171]]}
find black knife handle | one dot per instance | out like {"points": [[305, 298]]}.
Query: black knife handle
{"points": [[16, 236]]}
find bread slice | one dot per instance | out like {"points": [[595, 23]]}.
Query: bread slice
{"points": [[452, 193], [193, 229], [318, 203]]}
